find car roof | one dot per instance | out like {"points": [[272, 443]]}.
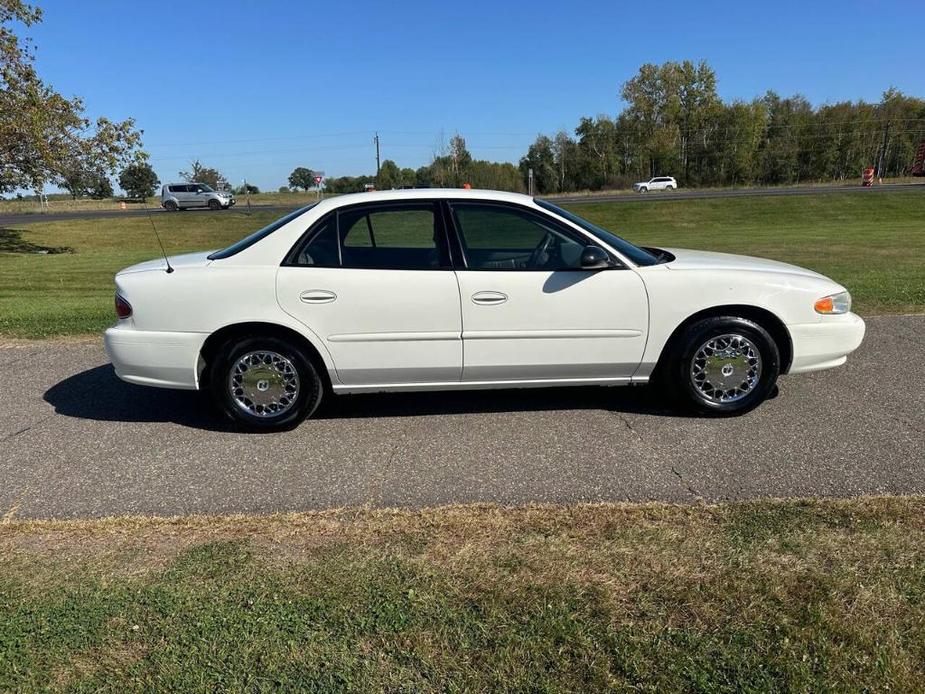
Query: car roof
{"points": [[427, 194]]}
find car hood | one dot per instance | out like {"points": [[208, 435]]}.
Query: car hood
{"points": [[177, 262], [706, 260]]}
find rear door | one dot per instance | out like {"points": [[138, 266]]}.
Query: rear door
{"points": [[530, 312], [375, 282], [186, 195]]}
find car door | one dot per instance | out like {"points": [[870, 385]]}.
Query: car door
{"points": [[186, 195], [529, 312], [375, 282]]}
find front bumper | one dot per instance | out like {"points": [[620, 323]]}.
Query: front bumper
{"points": [[153, 358], [825, 344]]}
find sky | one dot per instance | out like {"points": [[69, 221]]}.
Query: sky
{"points": [[258, 88]]}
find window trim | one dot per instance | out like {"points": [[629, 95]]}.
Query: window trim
{"points": [[443, 246], [565, 230]]}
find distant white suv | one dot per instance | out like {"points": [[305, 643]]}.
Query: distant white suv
{"points": [[182, 196], [658, 183]]}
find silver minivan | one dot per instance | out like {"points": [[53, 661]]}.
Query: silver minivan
{"points": [[182, 196]]}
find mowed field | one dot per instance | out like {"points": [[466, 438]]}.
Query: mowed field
{"points": [[760, 596], [56, 277]]}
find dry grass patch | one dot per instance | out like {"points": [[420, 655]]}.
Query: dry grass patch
{"points": [[764, 595]]}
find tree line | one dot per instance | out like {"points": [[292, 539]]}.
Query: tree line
{"points": [[675, 124]]}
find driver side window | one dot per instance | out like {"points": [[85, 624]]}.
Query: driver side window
{"points": [[496, 237]]}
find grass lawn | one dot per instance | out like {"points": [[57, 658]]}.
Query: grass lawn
{"points": [[761, 596], [56, 278]]}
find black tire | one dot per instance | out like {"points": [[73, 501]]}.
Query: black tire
{"points": [[215, 205], [643, 190], [310, 387], [677, 373], [171, 206]]}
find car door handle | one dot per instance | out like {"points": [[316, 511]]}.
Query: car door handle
{"points": [[317, 296], [489, 298]]}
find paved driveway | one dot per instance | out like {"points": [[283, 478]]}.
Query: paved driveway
{"points": [[76, 441]]}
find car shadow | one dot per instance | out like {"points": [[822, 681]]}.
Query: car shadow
{"points": [[98, 394]]}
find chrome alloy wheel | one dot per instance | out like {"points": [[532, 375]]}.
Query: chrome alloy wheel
{"points": [[726, 368], [263, 383]]}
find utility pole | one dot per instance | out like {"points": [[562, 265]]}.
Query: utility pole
{"points": [[882, 157], [376, 140]]}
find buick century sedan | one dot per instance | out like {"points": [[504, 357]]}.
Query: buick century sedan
{"points": [[453, 289]]}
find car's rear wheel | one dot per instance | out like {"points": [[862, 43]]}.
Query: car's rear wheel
{"points": [[265, 383], [170, 206], [215, 205], [723, 366]]}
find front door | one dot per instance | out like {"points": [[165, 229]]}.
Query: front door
{"points": [[374, 281], [529, 311]]}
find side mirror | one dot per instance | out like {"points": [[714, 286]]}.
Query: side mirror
{"points": [[595, 258]]}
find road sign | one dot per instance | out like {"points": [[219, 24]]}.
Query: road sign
{"points": [[318, 180]]}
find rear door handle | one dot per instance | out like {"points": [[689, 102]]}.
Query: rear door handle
{"points": [[488, 298], [317, 296]]}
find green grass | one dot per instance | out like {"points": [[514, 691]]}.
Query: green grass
{"points": [[873, 244], [761, 596]]}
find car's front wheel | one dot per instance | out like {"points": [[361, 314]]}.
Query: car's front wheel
{"points": [[724, 366], [265, 383], [643, 190], [215, 205]]}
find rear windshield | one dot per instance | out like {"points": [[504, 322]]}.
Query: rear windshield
{"points": [[250, 240], [638, 255]]}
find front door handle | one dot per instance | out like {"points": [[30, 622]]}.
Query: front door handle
{"points": [[488, 298], [317, 296]]}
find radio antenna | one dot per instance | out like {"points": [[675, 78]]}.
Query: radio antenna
{"points": [[157, 236]]}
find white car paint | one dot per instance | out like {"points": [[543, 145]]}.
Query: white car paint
{"points": [[656, 183], [447, 329]]}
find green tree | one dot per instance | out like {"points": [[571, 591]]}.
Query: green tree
{"points": [[408, 177], [41, 131], [542, 159], [302, 177], [389, 175], [200, 173], [100, 188], [138, 180]]}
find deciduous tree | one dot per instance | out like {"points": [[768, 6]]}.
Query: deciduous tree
{"points": [[302, 177], [42, 131], [138, 180]]}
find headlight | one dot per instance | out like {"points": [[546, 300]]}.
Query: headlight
{"points": [[835, 303]]}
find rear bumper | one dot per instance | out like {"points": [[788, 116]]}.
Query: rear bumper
{"points": [[826, 344], [149, 358]]}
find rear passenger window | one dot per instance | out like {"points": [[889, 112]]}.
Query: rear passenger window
{"points": [[321, 248], [388, 237], [394, 237]]}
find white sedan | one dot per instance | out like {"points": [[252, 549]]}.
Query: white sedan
{"points": [[453, 289]]}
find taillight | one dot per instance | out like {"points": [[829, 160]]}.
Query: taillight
{"points": [[123, 308]]}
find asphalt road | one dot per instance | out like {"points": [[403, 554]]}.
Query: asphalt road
{"points": [[683, 194], [75, 441]]}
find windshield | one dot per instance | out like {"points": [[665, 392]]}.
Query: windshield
{"points": [[638, 255], [250, 240]]}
